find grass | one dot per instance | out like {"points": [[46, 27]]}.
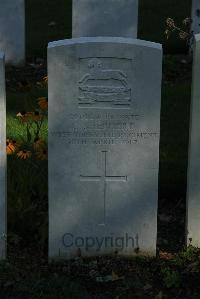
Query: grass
{"points": [[18, 101], [27, 180]]}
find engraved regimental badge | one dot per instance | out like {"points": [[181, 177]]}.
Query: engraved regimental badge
{"points": [[104, 87]]}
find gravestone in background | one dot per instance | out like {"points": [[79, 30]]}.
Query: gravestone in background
{"points": [[193, 193], [195, 16], [104, 122], [2, 159], [12, 30], [105, 18]]}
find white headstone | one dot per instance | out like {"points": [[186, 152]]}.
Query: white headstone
{"points": [[105, 18], [193, 193], [104, 122], [12, 30], [2, 159], [195, 16]]}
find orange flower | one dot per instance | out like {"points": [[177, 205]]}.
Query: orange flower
{"points": [[42, 154], [45, 79], [24, 154], [38, 143], [43, 103], [25, 116], [11, 146]]}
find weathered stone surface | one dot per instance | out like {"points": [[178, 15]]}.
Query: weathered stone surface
{"points": [[2, 159], [12, 30], [105, 18], [195, 16], [193, 193], [104, 123]]}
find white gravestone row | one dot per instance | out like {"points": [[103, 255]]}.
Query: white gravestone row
{"points": [[193, 193], [104, 133], [12, 30], [105, 18], [2, 159]]}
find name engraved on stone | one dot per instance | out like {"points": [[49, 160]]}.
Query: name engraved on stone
{"points": [[101, 129], [104, 179], [103, 87]]}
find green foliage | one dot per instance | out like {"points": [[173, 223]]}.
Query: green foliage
{"points": [[23, 101], [189, 255], [171, 277]]}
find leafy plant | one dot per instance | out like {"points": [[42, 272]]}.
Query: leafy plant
{"points": [[171, 277], [183, 32], [32, 144]]}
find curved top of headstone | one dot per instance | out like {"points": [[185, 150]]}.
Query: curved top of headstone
{"points": [[120, 40]]}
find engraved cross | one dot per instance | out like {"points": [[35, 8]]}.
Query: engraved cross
{"points": [[104, 179]]}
